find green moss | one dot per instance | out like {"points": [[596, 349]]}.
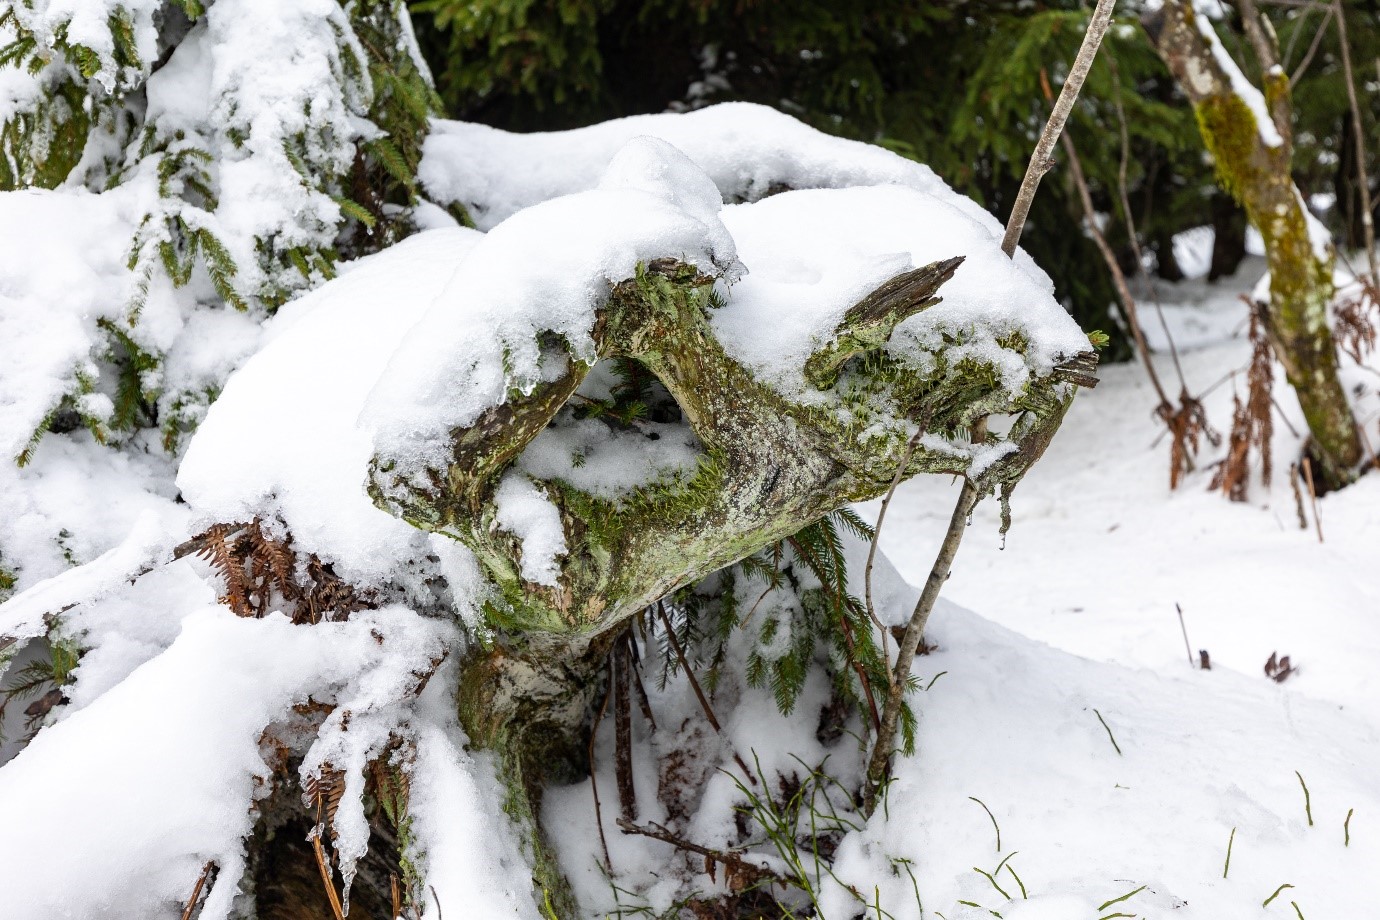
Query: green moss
{"points": [[8, 579], [1231, 134]]}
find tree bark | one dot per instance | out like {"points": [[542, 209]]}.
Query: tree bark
{"points": [[1257, 173]]}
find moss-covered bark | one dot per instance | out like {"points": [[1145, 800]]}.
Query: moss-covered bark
{"points": [[1257, 174]]}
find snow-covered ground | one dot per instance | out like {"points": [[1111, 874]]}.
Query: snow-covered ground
{"points": [[1077, 617]]}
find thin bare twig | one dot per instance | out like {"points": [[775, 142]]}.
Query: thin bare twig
{"points": [[1362, 180], [1129, 217], [876, 538], [733, 861], [1312, 49], [1184, 629], [1068, 94], [910, 639], [622, 727], [594, 778], [196, 892], [1118, 277], [1312, 495], [880, 761]]}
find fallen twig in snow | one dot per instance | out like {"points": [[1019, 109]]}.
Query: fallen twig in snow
{"points": [[201, 883], [739, 870], [1184, 629], [1307, 465]]}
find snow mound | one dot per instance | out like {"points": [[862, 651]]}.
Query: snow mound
{"points": [[1202, 755], [543, 271], [199, 764], [302, 394], [813, 254], [748, 151]]}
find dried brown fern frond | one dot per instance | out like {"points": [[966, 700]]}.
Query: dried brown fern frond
{"points": [[218, 547], [274, 558], [1356, 315], [328, 596], [261, 572], [325, 792], [1188, 425], [1252, 425]]}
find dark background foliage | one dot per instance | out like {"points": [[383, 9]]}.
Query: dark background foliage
{"points": [[951, 83]]}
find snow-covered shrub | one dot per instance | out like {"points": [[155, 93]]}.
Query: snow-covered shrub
{"points": [[233, 150]]}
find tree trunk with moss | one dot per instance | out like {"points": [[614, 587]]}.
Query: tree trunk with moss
{"points": [[771, 466], [1256, 171]]}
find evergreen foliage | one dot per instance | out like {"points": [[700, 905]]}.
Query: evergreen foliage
{"points": [[251, 173], [954, 85]]}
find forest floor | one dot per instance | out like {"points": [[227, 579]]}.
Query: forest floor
{"points": [[1076, 625]]}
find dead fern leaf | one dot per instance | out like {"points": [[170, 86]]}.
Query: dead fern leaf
{"points": [[326, 790], [261, 572], [1252, 425], [1354, 317], [1188, 425]]}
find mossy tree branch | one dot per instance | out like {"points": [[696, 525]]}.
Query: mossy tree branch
{"points": [[1257, 173]]}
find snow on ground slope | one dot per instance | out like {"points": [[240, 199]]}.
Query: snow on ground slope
{"points": [[1101, 550], [1018, 726], [1101, 781], [1099, 554]]}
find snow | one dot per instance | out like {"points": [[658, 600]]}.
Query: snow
{"points": [[87, 23], [198, 766], [303, 393], [813, 254], [609, 461], [48, 318], [77, 500], [456, 797], [544, 270], [522, 509], [150, 541], [748, 151], [1015, 725]]}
